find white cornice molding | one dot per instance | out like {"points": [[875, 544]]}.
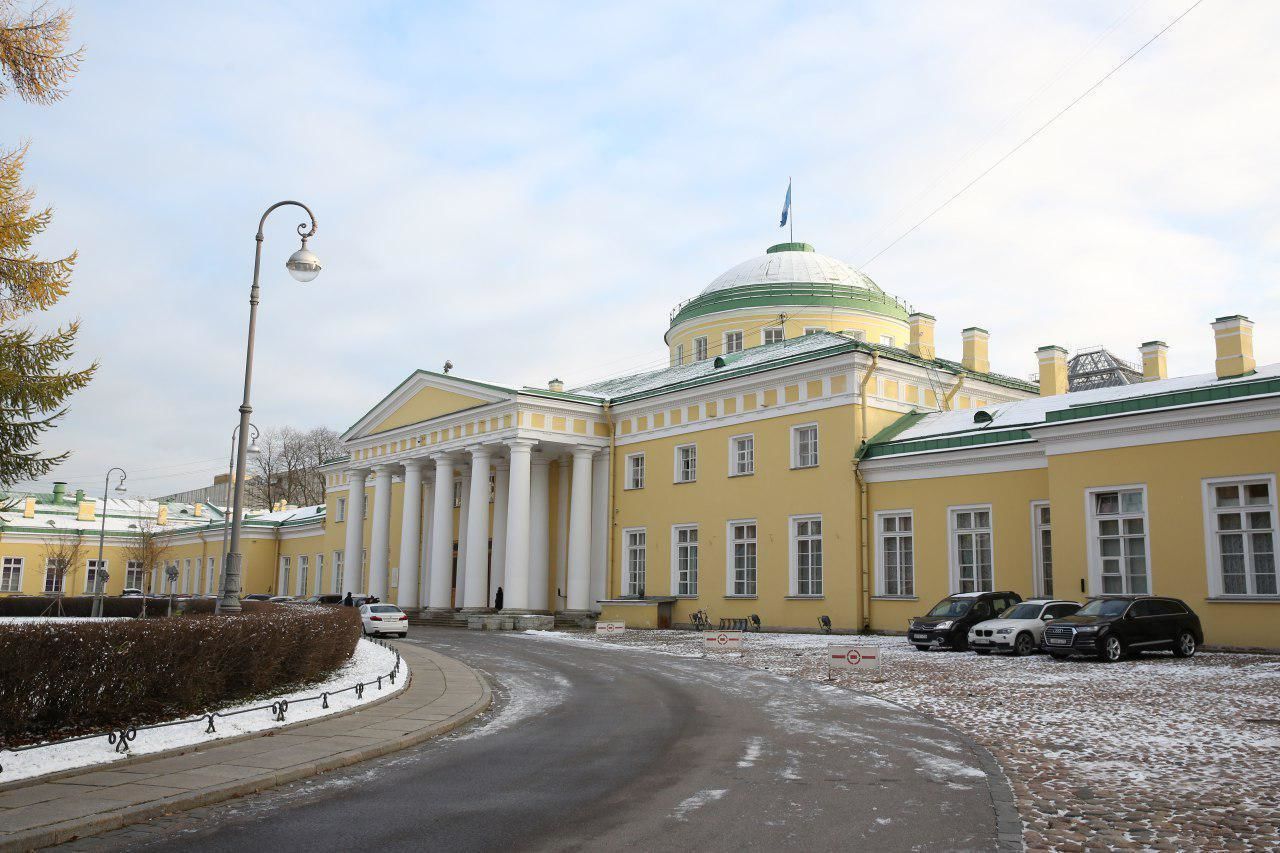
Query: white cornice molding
{"points": [[958, 462], [1213, 419]]}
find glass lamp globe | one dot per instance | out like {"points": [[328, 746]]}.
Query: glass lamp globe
{"points": [[303, 264], [254, 449]]}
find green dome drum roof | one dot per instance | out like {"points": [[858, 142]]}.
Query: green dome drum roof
{"points": [[791, 274]]}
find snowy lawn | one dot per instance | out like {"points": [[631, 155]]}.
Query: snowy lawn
{"points": [[1149, 753], [55, 621], [368, 663]]}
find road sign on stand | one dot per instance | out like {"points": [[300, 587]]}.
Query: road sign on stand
{"points": [[609, 629], [722, 641], [849, 657]]}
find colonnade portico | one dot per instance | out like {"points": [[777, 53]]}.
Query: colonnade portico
{"points": [[512, 552]]}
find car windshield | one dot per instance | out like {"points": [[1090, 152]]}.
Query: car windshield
{"points": [[1104, 607], [952, 607], [1022, 611], [384, 608]]}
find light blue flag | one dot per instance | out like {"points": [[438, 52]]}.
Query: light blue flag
{"points": [[786, 206]]}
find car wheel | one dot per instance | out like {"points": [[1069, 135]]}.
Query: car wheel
{"points": [[1059, 656], [1024, 645], [404, 634], [1186, 645], [1112, 649], [920, 648], [961, 644], [982, 651]]}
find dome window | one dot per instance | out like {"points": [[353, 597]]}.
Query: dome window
{"points": [[718, 363]]}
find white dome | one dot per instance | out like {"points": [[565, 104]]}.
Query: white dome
{"points": [[791, 263]]}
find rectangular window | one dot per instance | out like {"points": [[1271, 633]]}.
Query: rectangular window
{"points": [[806, 555], [457, 494], [804, 446], [685, 559], [972, 565], [1119, 525], [679, 354], [186, 575], [699, 349], [211, 579], [133, 573], [686, 463], [340, 510], [635, 471], [1042, 548], [732, 342], [11, 574], [896, 531], [55, 574], [91, 575], [634, 545], [286, 566], [319, 584], [742, 557], [887, 340], [1243, 530], [304, 570], [773, 336], [364, 508], [337, 571], [857, 334], [742, 455], [813, 330]]}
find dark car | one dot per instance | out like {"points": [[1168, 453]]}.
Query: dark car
{"points": [[327, 598], [947, 625], [257, 596], [1112, 626]]}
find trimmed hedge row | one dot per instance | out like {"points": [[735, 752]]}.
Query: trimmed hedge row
{"points": [[82, 605], [61, 680]]}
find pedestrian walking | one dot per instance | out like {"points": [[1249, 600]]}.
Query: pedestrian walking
{"points": [[497, 599]]}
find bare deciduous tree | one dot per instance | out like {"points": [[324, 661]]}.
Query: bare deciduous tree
{"points": [[62, 556], [148, 548], [288, 467]]}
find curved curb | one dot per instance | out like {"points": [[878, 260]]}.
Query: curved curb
{"points": [[94, 824]]}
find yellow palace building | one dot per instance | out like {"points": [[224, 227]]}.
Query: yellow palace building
{"points": [[805, 453]]}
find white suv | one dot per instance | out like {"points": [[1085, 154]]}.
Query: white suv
{"points": [[1019, 628]]}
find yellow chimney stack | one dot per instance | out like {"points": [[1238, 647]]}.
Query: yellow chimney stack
{"points": [[198, 510], [1233, 337], [86, 511], [1155, 363], [162, 515], [1053, 370], [975, 350], [29, 508], [920, 343]]}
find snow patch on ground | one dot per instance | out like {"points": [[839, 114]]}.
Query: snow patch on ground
{"points": [[369, 661], [525, 696], [755, 748], [55, 621], [696, 802]]}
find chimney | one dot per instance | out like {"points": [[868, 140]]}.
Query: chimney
{"points": [[86, 512], [920, 344], [1233, 337], [198, 510], [59, 492], [555, 385], [79, 495], [975, 350], [29, 508], [1154, 360], [1053, 370], [162, 515]]}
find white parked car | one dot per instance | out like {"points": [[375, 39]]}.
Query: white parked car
{"points": [[1019, 628], [384, 619]]}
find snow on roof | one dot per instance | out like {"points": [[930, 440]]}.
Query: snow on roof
{"points": [[780, 267], [294, 513], [1025, 413]]}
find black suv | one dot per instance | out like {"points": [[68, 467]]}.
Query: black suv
{"points": [[947, 625], [1111, 626]]}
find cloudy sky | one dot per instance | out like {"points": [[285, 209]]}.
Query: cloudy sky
{"points": [[527, 189]]}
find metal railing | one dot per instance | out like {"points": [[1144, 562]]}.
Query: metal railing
{"points": [[121, 737]]}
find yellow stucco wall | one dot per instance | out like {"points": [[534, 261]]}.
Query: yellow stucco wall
{"points": [[427, 403], [753, 324]]}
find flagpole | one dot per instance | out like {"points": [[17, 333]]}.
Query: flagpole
{"points": [[791, 220]]}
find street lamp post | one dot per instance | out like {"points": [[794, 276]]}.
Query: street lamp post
{"points": [[303, 265], [226, 504], [99, 576]]}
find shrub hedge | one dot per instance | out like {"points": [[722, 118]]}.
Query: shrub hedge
{"points": [[81, 605], [80, 677]]}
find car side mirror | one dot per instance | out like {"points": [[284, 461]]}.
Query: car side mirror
{"points": [[1047, 617]]}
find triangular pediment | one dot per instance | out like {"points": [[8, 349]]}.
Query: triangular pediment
{"points": [[425, 396]]}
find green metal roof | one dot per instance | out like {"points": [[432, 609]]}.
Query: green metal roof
{"points": [[791, 294], [1211, 394], [925, 444]]}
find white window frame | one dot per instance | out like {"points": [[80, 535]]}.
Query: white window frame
{"points": [[772, 332], [734, 460], [629, 585], [11, 574], [724, 342], [1213, 555], [701, 349], [795, 445], [134, 567], [1094, 546], [304, 573], [339, 557], [953, 550], [319, 584], [286, 575], [457, 494], [210, 580], [629, 481], [59, 583], [794, 539], [679, 354], [1038, 528], [731, 569], [90, 573], [882, 570], [813, 330], [185, 580], [681, 472], [676, 547], [340, 510], [858, 334], [888, 341]]}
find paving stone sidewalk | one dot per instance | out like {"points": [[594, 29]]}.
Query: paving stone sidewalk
{"points": [[442, 695]]}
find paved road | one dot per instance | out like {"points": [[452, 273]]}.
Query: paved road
{"points": [[611, 749]]}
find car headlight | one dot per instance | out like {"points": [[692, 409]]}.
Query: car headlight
{"points": [[1087, 629], [942, 626], [1004, 630]]}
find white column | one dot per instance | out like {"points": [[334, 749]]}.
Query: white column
{"points": [[501, 487], [441, 535], [353, 557], [380, 534], [562, 531], [516, 573], [579, 570], [464, 519], [428, 517], [599, 527], [478, 531], [410, 519], [539, 532]]}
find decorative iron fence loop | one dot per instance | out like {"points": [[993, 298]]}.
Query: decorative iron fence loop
{"points": [[120, 740], [324, 700], [210, 729], [278, 708]]}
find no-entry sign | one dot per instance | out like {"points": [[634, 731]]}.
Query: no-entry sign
{"points": [[610, 628], [853, 657], [722, 641]]}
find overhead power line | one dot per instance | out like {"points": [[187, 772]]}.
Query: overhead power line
{"points": [[1015, 149]]}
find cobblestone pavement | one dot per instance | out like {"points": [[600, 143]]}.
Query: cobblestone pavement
{"points": [[1151, 753]]}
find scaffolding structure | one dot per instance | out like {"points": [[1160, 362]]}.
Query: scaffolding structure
{"points": [[1099, 367]]}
